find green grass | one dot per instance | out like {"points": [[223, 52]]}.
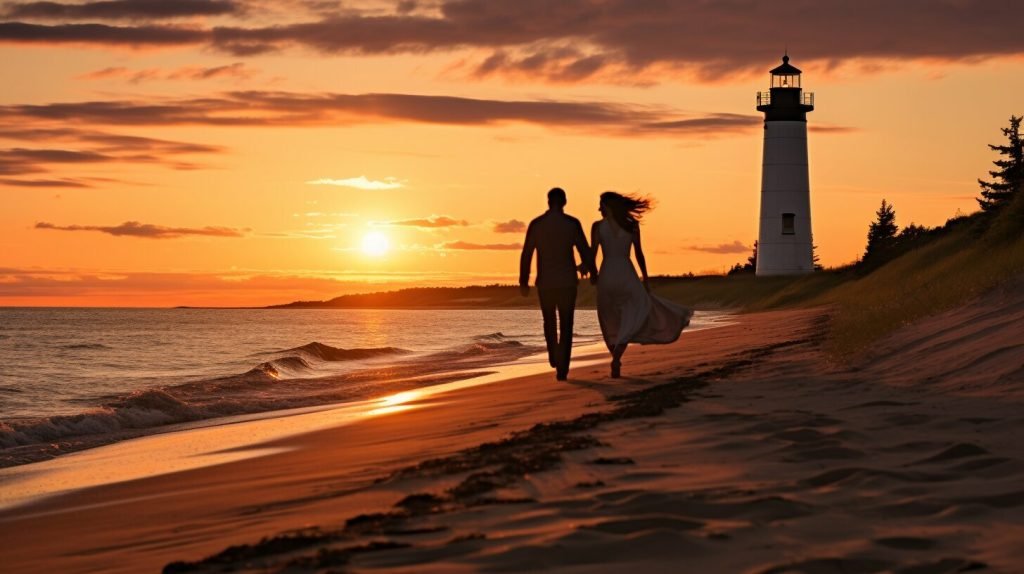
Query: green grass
{"points": [[745, 292]]}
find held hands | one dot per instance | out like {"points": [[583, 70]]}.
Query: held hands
{"points": [[585, 270], [647, 285], [524, 290]]}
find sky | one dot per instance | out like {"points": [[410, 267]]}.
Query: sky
{"points": [[249, 152]]}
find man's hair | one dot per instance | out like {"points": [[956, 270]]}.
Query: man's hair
{"points": [[556, 197]]}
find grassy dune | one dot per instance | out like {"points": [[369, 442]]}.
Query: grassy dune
{"points": [[940, 276]]}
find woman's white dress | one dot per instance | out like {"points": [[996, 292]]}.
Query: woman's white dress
{"points": [[626, 311]]}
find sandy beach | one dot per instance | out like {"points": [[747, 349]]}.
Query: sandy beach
{"points": [[737, 449]]}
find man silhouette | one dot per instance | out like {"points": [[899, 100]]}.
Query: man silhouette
{"points": [[554, 235]]}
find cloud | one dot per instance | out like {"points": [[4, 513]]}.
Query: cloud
{"points": [[406, 6], [50, 156], [257, 108], [237, 71], [102, 34], [556, 64], [104, 140], [575, 40], [22, 161], [722, 248], [466, 246], [123, 9], [510, 226], [95, 148], [715, 38], [709, 124], [433, 222], [831, 129], [360, 182], [267, 108], [146, 230], [48, 183]]}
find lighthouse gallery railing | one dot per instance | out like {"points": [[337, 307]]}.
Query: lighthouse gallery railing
{"points": [[765, 98]]}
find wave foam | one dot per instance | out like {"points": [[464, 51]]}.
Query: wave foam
{"points": [[143, 409]]}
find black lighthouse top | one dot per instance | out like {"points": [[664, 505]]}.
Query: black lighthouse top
{"points": [[786, 101]]}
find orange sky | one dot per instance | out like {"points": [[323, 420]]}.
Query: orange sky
{"points": [[164, 157]]}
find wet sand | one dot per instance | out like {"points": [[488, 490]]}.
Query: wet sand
{"points": [[736, 449]]}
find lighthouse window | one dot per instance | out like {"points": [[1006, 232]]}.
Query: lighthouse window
{"points": [[789, 224]]}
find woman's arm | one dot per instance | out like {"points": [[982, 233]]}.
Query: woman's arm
{"points": [[641, 261], [595, 244]]}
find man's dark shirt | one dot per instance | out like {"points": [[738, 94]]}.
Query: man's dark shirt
{"points": [[554, 235]]}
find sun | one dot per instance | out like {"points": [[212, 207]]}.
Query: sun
{"points": [[375, 244]]}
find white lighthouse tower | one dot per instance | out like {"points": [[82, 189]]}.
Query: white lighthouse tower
{"points": [[784, 240]]}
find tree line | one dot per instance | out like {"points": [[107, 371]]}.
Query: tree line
{"points": [[886, 241]]}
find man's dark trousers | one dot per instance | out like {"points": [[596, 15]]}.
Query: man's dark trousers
{"points": [[563, 301]]}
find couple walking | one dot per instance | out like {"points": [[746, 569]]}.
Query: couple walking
{"points": [[627, 311]]}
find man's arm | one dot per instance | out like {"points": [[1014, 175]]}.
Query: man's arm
{"points": [[526, 260]]}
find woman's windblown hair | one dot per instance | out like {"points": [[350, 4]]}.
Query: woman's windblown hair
{"points": [[626, 210]]}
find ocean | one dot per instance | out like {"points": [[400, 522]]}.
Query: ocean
{"points": [[73, 378]]}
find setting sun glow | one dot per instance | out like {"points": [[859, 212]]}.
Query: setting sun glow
{"points": [[375, 244]]}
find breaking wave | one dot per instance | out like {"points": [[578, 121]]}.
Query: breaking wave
{"points": [[290, 380], [328, 353]]}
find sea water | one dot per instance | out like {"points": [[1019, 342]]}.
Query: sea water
{"points": [[71, 378]]}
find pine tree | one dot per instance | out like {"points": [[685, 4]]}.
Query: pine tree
{"points": [[882, 232], [749, 267], [1010, 176]]}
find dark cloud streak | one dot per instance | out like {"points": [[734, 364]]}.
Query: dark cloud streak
{"points": [[723, 248], [123, 9], [710, 124], [101, 34], [253, 108], [146, 230], [101, 149], [47, 183], [237, 70]]}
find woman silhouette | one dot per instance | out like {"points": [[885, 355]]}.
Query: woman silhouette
{"points": [[627, 311]]}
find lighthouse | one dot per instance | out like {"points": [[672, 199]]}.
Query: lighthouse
{"points": [[784, 240]]}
